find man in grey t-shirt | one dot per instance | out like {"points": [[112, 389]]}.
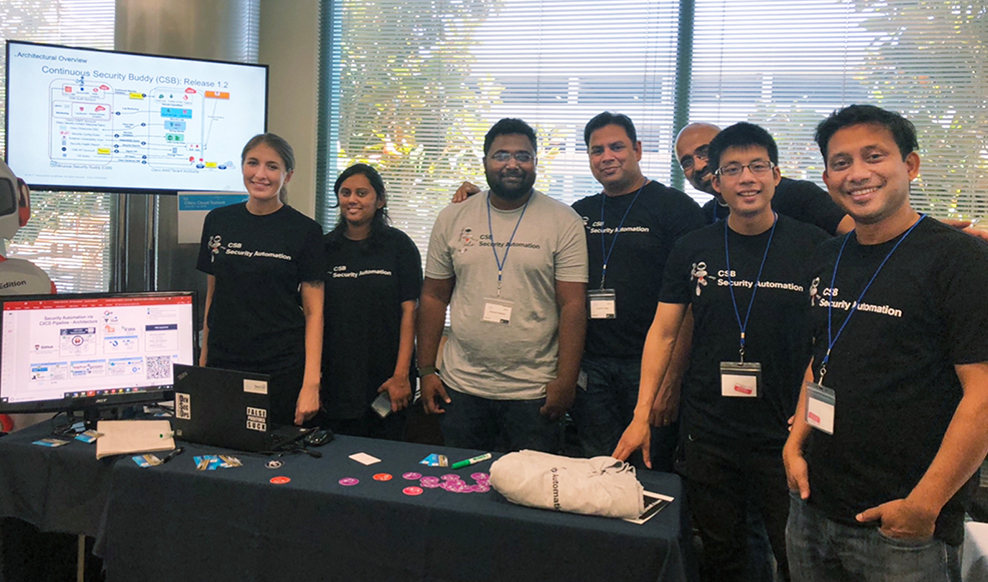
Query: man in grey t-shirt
{"points": [[512, 267]]}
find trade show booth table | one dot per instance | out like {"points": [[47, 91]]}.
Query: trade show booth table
{"points": [[299, 522]]}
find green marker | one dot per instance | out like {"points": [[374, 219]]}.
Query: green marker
{"points": [[471, 461]]}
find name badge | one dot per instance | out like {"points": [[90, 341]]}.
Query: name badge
{"points": [[740, 379], [497, 311], [820, 402], [603, 304]]}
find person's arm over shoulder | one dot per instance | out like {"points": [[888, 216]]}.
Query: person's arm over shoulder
{"points": [[807, 202], [682, 212]]}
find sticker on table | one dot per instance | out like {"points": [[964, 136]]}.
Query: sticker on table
{"points": [[412, 490], [230, 462], [51, 443], [280, 480], [209, 462], [275, 464], [480, 477], [382, 477], [411, 476], [88, 437], [145, 461], [349, 481], [435, 460]]}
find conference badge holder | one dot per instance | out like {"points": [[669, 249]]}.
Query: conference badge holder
{"points": [[740, 379], [603, 304], [820, 402], [497, 310]]}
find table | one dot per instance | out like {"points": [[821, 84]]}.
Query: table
{"points": [[172, 522], [62, 489]]}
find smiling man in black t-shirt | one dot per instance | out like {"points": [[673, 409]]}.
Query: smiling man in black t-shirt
{"points": [[743, 278], [890, 430]]}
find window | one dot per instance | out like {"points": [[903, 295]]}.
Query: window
{"points": [[413, 86], [787, 65], [69, 232]]}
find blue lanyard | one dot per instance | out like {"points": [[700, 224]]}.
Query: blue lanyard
{"points": [[490, 229], [831, 338], [730, 281], [606, 254]]}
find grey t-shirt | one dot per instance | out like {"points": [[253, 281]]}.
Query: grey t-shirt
{"points": [[515, 360]]}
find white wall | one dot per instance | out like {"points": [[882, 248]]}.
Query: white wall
{"points": [[289, 44]]}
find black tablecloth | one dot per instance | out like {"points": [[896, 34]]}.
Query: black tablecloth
{"points": [[62, 489], [172, 522]]}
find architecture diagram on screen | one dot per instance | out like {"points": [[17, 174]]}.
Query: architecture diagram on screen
{"points": [[80, 118]]}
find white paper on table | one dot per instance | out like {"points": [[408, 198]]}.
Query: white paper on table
{"points": [[133, 436]]}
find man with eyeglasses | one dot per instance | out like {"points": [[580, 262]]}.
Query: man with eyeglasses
{"points": [[799, 199], [890, 429], [744, 280], [631, 227], [511, 265]]}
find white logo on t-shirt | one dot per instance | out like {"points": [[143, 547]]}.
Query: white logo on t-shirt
{"points": [[699, 273], [215, 244]]}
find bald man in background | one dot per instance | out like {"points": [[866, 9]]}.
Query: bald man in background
{"points": [[799, 199]]}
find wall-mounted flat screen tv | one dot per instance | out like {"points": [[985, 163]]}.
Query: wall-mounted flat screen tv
{"points": [[105, 121]]}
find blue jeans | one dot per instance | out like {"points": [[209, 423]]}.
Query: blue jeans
{"points": [[606, 406], [471, 422], [822, 550]]}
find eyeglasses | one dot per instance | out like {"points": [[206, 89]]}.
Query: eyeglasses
{"points": [[758, 168], [702, 152], [520, 157]]}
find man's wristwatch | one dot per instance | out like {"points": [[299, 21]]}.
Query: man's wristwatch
{"points": [[426, 370]]}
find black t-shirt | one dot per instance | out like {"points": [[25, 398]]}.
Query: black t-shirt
{"points": [[256, 322], [777, 334], [366, 283], [656, 220], [892, 367], [799, 199]]}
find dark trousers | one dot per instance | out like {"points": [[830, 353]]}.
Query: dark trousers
{"points": [[471, 422], [605, 406], [722, 485]]}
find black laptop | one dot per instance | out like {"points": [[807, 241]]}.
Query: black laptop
{"points": [[229, 409]]}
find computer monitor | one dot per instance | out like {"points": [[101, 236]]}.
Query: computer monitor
{"points": [[94, 350]]}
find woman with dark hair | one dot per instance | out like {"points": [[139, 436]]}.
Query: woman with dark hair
{"points": [[373, 280], [264, 297]]}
